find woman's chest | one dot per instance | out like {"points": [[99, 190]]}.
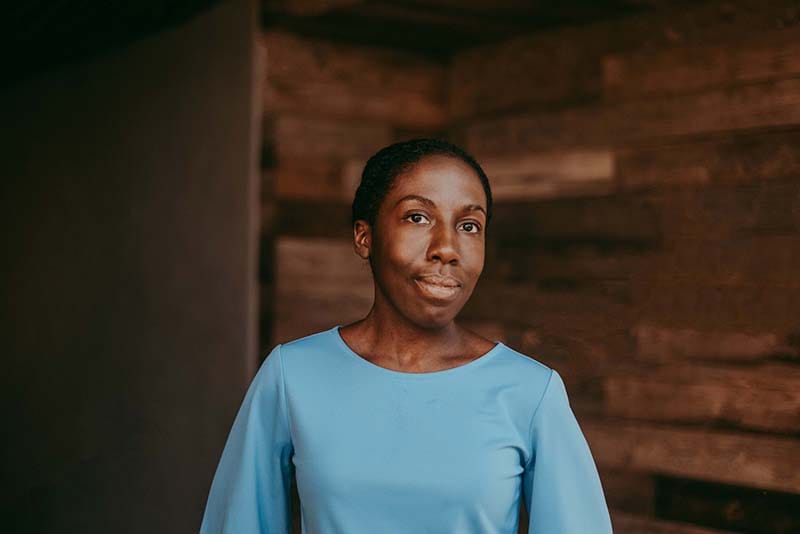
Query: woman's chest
{"points": [[444, 445]]}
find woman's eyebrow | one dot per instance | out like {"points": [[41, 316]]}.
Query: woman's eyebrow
{"points": [[431, 203]]}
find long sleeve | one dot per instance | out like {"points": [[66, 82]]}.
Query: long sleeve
{"points": [[251, 490], [561, 485]]}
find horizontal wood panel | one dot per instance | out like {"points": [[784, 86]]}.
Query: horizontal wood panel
{"points": [[759, 461], [319, 266], [661, 343], [565, 65], [754, 260], [628, 491], [714, 308], [728, 211], [727, 506], [607, 218], [557, 328], [729, 159], [765, 397], [319, 78], [317, 218], [300, 315], [771, 56], [579, 262], [625, 523], [317, 179], [297, 137], [550, 174], [747, 107], [525, 72]]}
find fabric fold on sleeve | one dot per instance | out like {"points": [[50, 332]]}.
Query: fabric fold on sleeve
{"points": [[561, 484], [251, 489]]}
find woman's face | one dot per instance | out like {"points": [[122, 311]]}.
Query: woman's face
{"points": [[429, 240]]}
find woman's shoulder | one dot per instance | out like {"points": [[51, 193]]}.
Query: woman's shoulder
{"points": [[318, 341], [523, 362]]}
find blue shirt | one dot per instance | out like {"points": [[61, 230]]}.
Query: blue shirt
{"points": [[378, 451]]}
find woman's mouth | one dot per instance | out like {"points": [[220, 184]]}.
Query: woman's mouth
{"points": [[437, 291]]}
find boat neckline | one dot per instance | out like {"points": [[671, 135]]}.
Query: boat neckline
{"points": [[486, 356]]}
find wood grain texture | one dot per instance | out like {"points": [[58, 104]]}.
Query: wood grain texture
{"points": [[298, 137], [660, 343], [724, 506], [628, 491], [322, 179], [321, 267], [726, 159], [685, 69], [320, 282], [564, 66], [318, 78], [748, 107], [760, 461], [617, 218], [625, 523], [763, 398], [313, 218], [550, 174]]}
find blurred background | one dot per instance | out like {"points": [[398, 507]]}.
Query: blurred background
{"points": [[176, 189]]}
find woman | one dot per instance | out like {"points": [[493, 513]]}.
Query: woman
{"points": [[404, 421]]}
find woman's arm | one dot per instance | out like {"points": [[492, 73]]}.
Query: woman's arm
{"points": [[251, 488], [561, 486]]}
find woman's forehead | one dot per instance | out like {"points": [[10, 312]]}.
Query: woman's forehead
{"points": [[442, 174]]}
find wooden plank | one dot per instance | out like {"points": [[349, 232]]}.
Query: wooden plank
{"points": [[319, 78], [771, 56], [321, 179], [580, 262], [662, 344], [320, 267], [750, 260], [716, 308], [761, 105], [309, 179], [525, 72], [550, 174], [303, 138], [629, 491], [759, 461], [726, 506], [764, 397], [320, 282], [617, 218], [317, 178], [564, 65], [728, 211], [727, 160], [317, 218], [558, 328], [625, 523]]}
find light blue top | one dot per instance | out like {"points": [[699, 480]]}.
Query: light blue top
{"points": [[377, 451]]}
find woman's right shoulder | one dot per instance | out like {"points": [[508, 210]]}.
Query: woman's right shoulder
{"points": [[308, 351]]}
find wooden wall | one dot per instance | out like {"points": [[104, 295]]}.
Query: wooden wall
{"points": [[328, 108], [645, 243]]}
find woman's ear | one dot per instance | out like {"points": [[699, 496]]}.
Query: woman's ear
{"points": [[362, 238]]}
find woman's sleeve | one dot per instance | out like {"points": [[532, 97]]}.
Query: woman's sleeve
{"points": [[561, 486], [251, 490]]}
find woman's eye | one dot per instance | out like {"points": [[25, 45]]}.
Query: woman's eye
{"points": [[472, 225], [472, 228]]}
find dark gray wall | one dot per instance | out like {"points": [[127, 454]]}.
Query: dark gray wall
{"points": [[129, 212]]}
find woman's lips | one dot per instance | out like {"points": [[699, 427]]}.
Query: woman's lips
{"points": [[437, 291]]}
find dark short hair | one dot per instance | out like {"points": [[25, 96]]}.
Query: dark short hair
{"points": [[389, 162]]}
